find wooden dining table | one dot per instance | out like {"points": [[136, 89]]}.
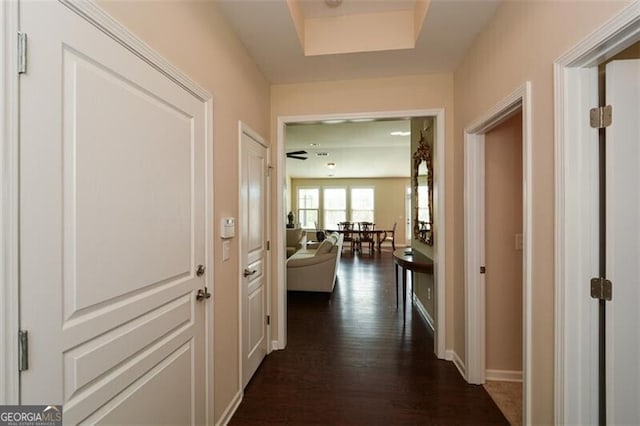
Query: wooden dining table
{"points": [[381, 234]]}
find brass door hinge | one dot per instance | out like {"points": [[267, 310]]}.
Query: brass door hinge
{"points": [[22, 53], [601, 289], [23, 348], [601, 117]]}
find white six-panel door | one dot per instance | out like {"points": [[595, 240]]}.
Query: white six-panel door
{"points": [[253, 192], [112, 228], [623, 242]]}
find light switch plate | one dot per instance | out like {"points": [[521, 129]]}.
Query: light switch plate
{"points": [[226, 250]]}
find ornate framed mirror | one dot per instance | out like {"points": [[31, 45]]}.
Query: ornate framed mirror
{"points": [[423, 193]]}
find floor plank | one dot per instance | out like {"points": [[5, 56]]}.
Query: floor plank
{"points": [[351, 360]]}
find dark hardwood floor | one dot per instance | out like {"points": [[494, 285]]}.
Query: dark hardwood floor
{"points": [[350, 360]]}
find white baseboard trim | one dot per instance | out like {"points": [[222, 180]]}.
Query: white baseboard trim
{"points": [[275, 345], [503, 375], [449, 354], [231, 409], [423, 311], [453, 356]]}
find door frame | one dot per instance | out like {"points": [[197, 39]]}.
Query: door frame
{"points": [[474, 215], [576, 219], [439, 199], [9, 212], [243, 128], [9, 124]]}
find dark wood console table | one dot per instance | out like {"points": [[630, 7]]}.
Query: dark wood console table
{"points": [[414, 262]]}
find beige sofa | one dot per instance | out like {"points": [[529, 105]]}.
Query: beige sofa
{"points": [[315, 269], [296, 240]]}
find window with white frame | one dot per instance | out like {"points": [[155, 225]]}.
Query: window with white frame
{"points": [[362, 204], [334, 207], [308, 205]]}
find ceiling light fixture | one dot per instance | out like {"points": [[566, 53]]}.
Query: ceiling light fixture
{"points": [[333, 3], [400, 133], [314, 144], [331, 165]]}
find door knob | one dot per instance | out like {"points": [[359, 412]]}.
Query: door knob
{"points": [[200, 270], [248, 272], [203, 294]]}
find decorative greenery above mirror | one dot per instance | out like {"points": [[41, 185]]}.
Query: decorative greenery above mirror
{"points": [[423, 192]]}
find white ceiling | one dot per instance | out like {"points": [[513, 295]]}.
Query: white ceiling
{"points": [[267, 30], [319, 9], [358, 149]]}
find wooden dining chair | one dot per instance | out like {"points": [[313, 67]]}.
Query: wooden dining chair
{"points": [[366, 236], [348, 235], [391, 237]]}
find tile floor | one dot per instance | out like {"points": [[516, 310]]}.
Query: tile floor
{"points": [[508, 397]]}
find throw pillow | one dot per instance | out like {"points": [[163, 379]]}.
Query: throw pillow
{"points": [[324, 247]]}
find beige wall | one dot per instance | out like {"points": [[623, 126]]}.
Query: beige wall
{"points": [[194, 37], [521, 43], [424, 290], [373, 95], [503, 221], [388, 193]]}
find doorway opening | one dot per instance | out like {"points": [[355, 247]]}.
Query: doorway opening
{"points": [[503, 265], [513, 363], [281, 214]]}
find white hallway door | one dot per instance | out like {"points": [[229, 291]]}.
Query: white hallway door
{"points": [[623, 242], [112, 228], [253, 193]]}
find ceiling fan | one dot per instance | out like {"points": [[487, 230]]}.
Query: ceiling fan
{"points": [[298, 155]]}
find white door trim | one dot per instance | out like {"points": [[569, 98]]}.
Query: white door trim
{"points": [[280, 259], [92, 13], [209, 258], [439, 199], [244, 128], [9, 214], [576, 238], [519, 99]]}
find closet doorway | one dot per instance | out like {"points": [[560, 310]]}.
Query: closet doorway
{"points": [[497, 250]]}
